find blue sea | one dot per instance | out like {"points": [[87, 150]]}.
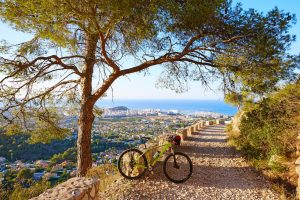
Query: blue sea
{"points": [[184, 106]]}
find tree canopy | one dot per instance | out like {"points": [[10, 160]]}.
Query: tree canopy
{"points": [[79, 49], [194, 41]]}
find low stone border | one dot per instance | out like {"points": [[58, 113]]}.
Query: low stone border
{"points": [[220, 121], [73, 189], [182, 133], [188, 131], [209, 123]]}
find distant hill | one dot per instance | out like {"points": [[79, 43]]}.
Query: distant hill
{"points": [[119, 108]]}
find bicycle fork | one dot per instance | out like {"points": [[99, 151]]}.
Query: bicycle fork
{"points": [[175, 165]]}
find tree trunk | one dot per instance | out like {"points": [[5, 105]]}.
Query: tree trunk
{"points": [[86, 116], [85, 124]]}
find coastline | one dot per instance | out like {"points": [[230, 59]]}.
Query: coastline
{"points": [[181, 106]]}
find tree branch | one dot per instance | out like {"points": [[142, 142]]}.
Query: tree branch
{"points": [[168, 57], [109, 61]]}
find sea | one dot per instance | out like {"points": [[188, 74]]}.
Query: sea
{"points": [[183, 106]]}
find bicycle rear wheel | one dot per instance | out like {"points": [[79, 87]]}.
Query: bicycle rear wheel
{"points": [[178, 167], [132, 164]]}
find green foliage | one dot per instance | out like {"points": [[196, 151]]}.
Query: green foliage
{"points": [[242, 46], [276, 164], [9, 179], [24, 174], [19, 186], [34, 190], [19, 148], [97, 111], [13, 129], [47, 126], [52, 20], [70, 155], [45, 133], [64, 177], [268, 133], [42, 127], [268, 129], [233, 98]]}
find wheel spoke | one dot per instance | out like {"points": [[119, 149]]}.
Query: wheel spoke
{"points": [[178, 167], [130, 163]]}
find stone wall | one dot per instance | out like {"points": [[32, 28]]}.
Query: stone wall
{"points": [[73, 189], [183, 132]]}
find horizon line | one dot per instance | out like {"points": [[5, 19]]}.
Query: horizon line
{"points": [[113, 99]]}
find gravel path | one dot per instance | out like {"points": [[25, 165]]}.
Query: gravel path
{"points": [[219, 173]]}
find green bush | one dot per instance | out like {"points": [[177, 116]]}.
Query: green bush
{"points": [[267, 135], [24, 174], [70, 154], [36, 189], [271, 126]]}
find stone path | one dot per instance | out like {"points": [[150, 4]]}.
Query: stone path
{"points": [[219, 173]]}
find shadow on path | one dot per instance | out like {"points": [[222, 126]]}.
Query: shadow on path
{"points": [[214, 152], [194, 139], [218, 173], [217, 177], [209, 134], [217, 169]]}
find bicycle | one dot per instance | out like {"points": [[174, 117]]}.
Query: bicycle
{"points": [[177, 166]]}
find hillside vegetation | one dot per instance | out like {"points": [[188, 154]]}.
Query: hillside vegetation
{"points": [[266, 133]]}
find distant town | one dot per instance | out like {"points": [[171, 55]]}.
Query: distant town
{"points": [[123, 111]]}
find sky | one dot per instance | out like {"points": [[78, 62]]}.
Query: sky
{"points": [[138, 86]]}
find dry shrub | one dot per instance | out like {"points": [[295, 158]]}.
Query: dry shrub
{"points": [[107, 174]]}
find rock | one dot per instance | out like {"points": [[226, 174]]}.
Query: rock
{"points": [[73, 189]]}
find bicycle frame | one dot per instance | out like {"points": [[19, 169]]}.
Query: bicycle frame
{"points": [[165, 147]]}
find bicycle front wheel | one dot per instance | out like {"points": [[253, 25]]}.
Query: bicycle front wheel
{"points": [[132, 164], [178, 167]]}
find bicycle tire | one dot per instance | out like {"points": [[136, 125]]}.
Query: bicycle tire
{"points": [[188, 165], [140, 171]]}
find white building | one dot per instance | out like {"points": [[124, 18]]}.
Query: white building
{"points": [[2, 160]]}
